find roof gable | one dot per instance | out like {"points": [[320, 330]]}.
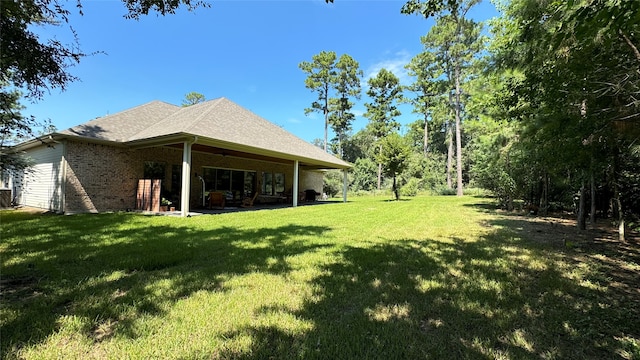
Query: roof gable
{"points": [[120, 126], [220, 121]]}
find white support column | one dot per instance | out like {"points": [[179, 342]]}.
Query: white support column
{"points": [[186, 179], [296, 176], [345, 184]]}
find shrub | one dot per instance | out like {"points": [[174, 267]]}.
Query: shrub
{"points": [[410, 188]]}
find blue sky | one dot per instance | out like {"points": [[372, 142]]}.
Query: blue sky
{"points": [[246, 51]]}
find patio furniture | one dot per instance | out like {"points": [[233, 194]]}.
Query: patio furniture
{"points": [[248, 201], [216, 199], [310, 195]]}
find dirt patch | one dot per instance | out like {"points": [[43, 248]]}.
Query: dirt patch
{"points": [[618, 262], [30, 210], [21, 287], [562, 230]]}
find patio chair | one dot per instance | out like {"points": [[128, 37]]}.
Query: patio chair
{"points": [[216, 199], [248, 201]]}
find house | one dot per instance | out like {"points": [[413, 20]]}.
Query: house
{"points": [[213, 146]]}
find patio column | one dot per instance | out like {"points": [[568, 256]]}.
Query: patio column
{"points": [[294, 191], [345, 182], [186, 179]]}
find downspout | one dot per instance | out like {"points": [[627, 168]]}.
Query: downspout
{"points": [[203, 187], [63, 184]]}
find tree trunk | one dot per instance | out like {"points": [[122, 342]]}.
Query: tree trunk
{"points": [[379, 176], [544, 198], [582, 208], [379, 170], [458, 133], [425, 146], [395, 188], [326, 127], [618, 212], [592, 214], [449, 157]]}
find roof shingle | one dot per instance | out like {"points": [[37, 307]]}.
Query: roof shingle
{"points": [[218, 120]]}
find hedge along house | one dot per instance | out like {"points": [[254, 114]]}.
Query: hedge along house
{"points": [[213, 146]]}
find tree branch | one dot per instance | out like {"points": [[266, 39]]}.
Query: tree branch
{"points": [[631, 45]]}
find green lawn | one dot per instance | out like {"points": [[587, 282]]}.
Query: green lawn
{"points": [[428, 277]]}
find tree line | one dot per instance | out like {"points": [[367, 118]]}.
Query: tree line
{"points": [[544, 112]]}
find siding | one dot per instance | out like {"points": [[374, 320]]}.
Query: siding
{"points": [[41, 185]]}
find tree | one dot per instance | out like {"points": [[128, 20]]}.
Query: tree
{"points": [[364, 175], [394, 153], [192, 98], [321, 73], [36, 64], [577, 97], [14, 128], [385, 91], [347, 85], [426, 88], [327, 77], [455, 40]]}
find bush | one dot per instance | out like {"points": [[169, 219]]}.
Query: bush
{"points": [[445, 191], [410, 188], [333, 182]]}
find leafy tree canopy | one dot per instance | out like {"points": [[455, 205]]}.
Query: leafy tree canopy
{"points": [[192, 98]]}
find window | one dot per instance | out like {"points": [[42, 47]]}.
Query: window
{"points": [[249, 183], [209, 176], [234, 183], [223, 179], [267, 183], [272, 183], [279, 183]]}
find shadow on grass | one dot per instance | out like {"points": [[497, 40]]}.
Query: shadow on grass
{"points": [[502, 296], [499, 297], [69, 269]]}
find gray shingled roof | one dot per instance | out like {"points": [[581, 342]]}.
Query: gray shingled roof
{"points": [[121, 126], [220, 121]]}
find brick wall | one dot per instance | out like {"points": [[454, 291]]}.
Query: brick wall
{"points": [[104, 178]]}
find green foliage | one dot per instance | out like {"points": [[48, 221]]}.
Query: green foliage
{"points": [[16, 128], [385, 92], [393, 155], [324, 76], [364, 175], [333, 182], [360, 145], [570, 79], [429, 170], [411, 188], [192, 98]]}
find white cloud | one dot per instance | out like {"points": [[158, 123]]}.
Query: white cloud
{"points": [[294, 121], [395, 63]]}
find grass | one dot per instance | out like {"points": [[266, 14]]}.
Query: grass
{"points": [[429, 277]]}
